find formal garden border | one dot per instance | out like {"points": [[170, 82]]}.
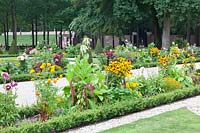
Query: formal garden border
{"points": [[101, 113]]}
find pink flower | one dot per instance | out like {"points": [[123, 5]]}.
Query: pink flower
{"points": [[13, 83], [109, 54], [8, 87], [5, 75], [51, 49]]}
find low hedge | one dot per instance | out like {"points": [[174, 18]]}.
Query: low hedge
{"points": [[27, 77], [154, 64], [104, 112]]}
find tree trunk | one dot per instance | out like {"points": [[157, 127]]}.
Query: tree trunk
{"points": [[61, 36], [188, 31], [70, 37], [4, 30], [33, 37], [44, 32], [166, 32], [56, 37], [113, 41], [48, 35], [14, 21], [156, 30], [197, 35], [7, 32], [36, 31], [102, 41]]}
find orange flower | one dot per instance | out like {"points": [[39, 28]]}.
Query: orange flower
{"points": [[49, 81], [37, 94]]}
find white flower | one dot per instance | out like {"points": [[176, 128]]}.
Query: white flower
{"points": [[83, 49]]}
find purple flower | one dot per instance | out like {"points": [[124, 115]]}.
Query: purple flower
{"points": [[5, 75], [8, 87], [13, 83], [109, 54], [58, 59]]}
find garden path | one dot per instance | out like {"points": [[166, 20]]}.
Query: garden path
{"points": [[26, 92], [192, 104]]}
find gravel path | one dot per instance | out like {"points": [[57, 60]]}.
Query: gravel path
{"points": [[192, 104], [26, 92]]}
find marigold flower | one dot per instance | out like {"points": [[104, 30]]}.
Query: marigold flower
{"points": [[32, 71], [43, 66], [49, 80], [55, 81], [121, 67], [154, 51], [37, 94], [48, 64]]}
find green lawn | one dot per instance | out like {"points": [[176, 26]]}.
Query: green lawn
{"points": [[178, 121], [26, 39]]}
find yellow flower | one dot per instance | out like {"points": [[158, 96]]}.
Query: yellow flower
{"points": [[127, 85], [52, 70], [48, 64], [58, 100], [32, 79], [32, 71], [49, 81], [17, 65], [154, 51], [43, 66], [139, 94], [121, 67], [64, 53], [61, 76], [55, 81], [37, 74]]}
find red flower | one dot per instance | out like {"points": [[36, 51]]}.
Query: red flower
{"points": [[8, 87]]}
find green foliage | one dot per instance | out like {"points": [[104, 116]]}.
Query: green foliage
{"points": [[8, 109], [171, 84], [104, 112], [181, 43], [83, 78], [47, 99], [98, 48], [13, 49], [151, 86]]}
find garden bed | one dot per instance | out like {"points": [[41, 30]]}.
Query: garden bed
{"points": [[101, 113]]}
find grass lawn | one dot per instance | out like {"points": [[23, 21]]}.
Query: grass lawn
{"points": [[178, 121], [26, 39]]}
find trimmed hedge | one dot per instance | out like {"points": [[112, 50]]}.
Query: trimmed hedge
{"points": [[104, 112], [27, 77]]}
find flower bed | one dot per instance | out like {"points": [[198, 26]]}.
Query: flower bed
{"points": [[101, 113], [97, 92]]}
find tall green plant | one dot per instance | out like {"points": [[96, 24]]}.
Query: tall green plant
{"points": [[84, 80]]}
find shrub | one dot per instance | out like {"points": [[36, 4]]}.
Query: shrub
{"points": [[171, 84], [180, 42], [98, 48], [13, 49], [101, 113]]}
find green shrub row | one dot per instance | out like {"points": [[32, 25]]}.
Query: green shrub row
{"points": [[27, 77], [8, 55], [154, 64], [104, 112]]}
